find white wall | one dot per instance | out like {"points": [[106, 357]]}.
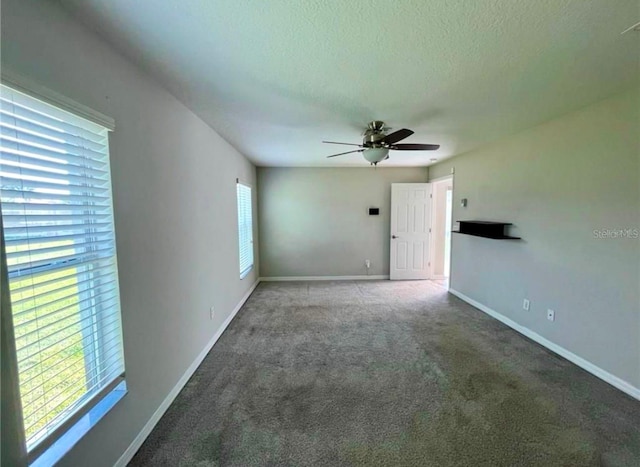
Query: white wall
{"points": [[175, 210], [315, 222], [557, 183]]}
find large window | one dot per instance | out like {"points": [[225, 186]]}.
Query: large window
{"points": [[245, 229], [60, 264]]}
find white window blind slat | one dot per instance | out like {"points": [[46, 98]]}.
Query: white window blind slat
{"points": [[42, 278], [53, 263], [57, 295], [51, 169], [56, 260], [11, 147], [57, 134], [11, 158], [50, 185], [14, 113], [51, 360], [35, 346], [37, 208], [19, 112], [47, 229], [80, 271], [39, 401], [245, 228], [59, 176], [15, 194], [55, 195], [42, 132], [63, 364], [59, 219], [40, 332], [26, 256], [35, 322], [33, 142], [46, 110]]}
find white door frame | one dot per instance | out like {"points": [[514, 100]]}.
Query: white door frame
{"points": [[417, 224], [449, 179]]}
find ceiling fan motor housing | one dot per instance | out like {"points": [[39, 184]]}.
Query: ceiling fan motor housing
{"points": [[376, 125], [373, 140]]}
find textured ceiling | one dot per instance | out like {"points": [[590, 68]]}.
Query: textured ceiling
{"points": [[277, 77]]}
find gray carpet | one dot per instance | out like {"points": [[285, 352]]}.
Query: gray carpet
{"points": [[382, 373]]}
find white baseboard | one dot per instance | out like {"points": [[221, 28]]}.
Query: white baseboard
{"points": [[604, 375], [321, 278], [157, 415]]}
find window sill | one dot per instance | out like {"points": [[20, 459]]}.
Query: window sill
{"points": [[64, 444], [246, 273]]}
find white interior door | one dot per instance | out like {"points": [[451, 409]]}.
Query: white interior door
{"points": [[410, 223]]}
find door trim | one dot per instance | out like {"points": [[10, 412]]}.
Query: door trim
{"points": [[434, 182]]}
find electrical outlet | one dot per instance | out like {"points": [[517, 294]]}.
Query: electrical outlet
{"points": [[211, 311], [551, 315], [525, 304], [367, 263]]}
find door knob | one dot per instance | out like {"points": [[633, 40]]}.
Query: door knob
{"points": [[393, 236]]}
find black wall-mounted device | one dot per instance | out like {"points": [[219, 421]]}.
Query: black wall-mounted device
{"points": [[374, 211]]}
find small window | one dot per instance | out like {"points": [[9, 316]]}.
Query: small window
{"points": [[245, 229], [61, 267]]}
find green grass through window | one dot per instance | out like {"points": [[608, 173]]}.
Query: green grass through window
{"points": [[52, 372]]}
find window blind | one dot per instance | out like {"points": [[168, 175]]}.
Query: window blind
{"points": [[61, 261], [245, 229]]}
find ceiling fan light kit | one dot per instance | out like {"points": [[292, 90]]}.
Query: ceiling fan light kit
{"points": [[376, 143], [375, 155]]}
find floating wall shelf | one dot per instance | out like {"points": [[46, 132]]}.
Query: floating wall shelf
{"points": [[486, 229]]}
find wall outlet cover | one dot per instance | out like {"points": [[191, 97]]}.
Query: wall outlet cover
{"points": [[526, 304], [551, 315]]}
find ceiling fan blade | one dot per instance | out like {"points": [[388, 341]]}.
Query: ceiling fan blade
{"points": [[396, 136], [346, 144], [414, 147], [348, 152]]}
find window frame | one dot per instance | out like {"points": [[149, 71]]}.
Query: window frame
{"points": [[242, 225], [90, 407]]}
